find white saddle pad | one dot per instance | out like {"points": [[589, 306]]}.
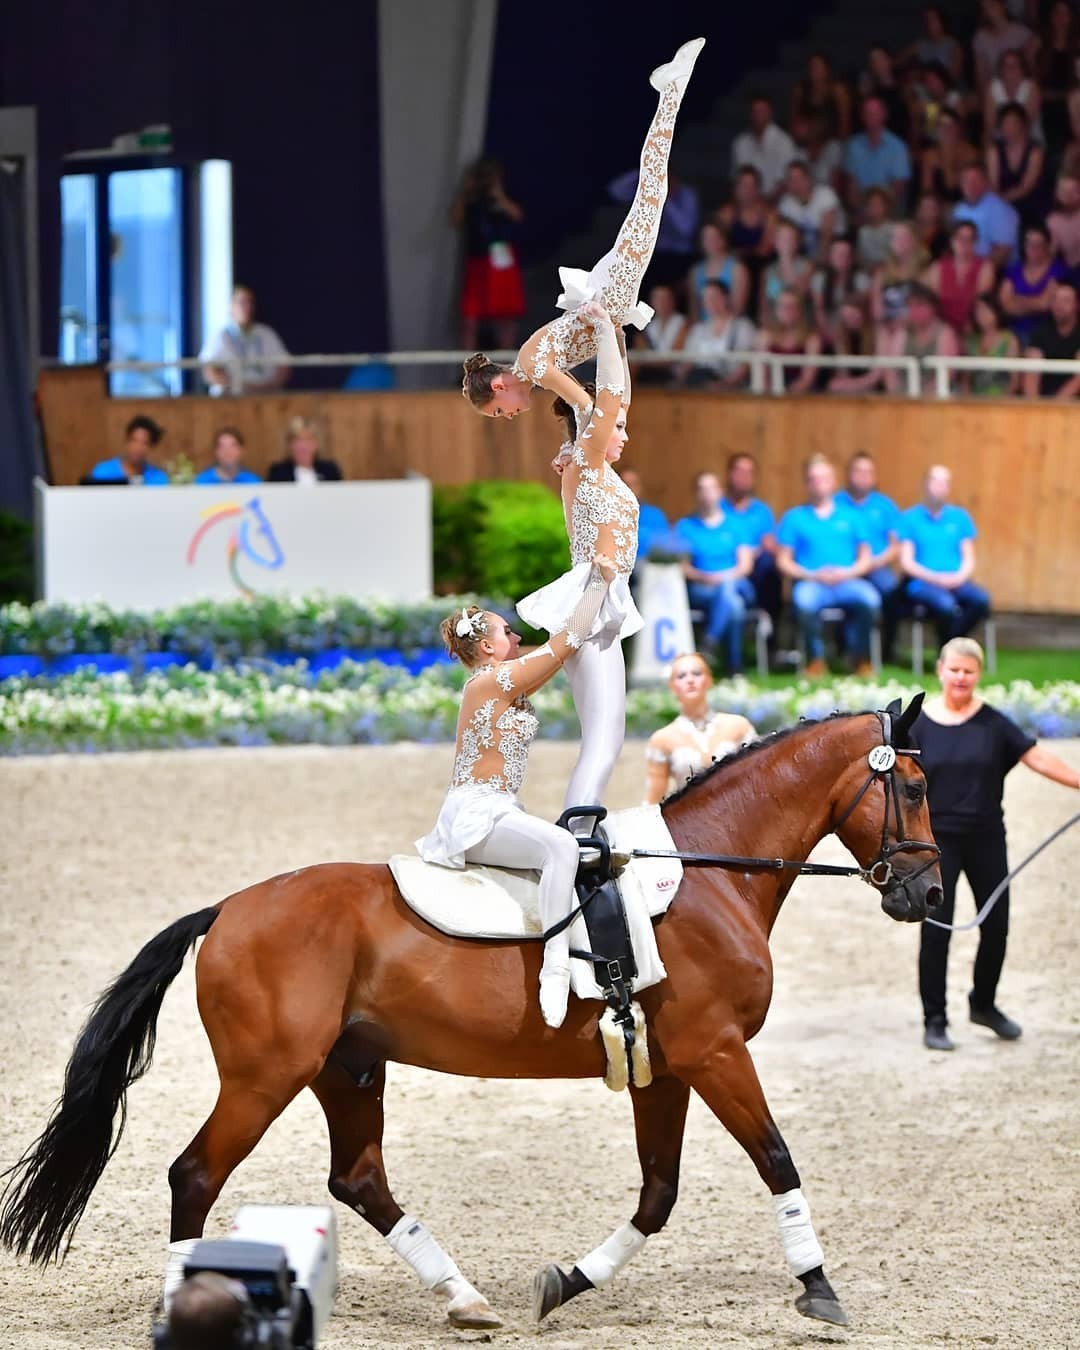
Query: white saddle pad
{"points": [[502, 904]]}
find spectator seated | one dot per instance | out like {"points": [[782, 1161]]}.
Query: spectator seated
{"points": [[824, 549], [717, 568], [937, 553]]}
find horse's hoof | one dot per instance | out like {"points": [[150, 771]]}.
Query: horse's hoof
{"points": [[547, 1292], [474, 1317], [824, 1309]]}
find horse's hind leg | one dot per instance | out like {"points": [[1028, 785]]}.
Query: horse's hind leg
{"points": [[727, 1081], [241, 1116], [354, 1114], [659, 1119]]}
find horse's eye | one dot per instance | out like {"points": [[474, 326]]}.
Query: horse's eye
{"points": [[914, 792]]}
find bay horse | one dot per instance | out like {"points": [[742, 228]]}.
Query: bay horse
{"points": [[316, 978]]}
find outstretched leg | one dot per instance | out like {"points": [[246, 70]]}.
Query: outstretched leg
{"points": [[354, 1115], [617, 276], [727, 1081], [659, 1120]]}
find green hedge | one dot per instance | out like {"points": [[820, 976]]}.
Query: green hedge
{"points": [[16, 559], [497, 538]]}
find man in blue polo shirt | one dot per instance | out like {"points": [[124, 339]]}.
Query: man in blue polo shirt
{"points": [[130, 465], [228, 456], [823, 548], [758, 527], [880, 518], [717, 569], [937, 553], [997, 226], [875, 158]]}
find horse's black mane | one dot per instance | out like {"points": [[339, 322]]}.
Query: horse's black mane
{"points": [[747, 751]]}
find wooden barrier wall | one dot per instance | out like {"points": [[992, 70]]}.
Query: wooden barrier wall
{"points": [[1014, 463]]}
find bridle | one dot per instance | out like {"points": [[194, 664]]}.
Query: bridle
{"points": [[880, 873], [882, 761]]}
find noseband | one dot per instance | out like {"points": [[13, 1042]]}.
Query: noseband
{"points": [[882, 760]]}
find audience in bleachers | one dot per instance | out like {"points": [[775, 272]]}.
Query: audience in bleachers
{"points": [[1056, 338], [228, 460], [302, 462], [717, 333], [132, 464], [947, 166], [764, 146], [937, 554], [823, 547]]}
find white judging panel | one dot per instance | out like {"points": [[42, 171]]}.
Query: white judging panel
{"points": [[146, 547]]}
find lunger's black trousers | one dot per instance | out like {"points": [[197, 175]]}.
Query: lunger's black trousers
{"points": [[982, 859]]}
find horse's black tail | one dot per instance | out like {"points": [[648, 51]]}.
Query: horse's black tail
{"points": [[50, 1186]]}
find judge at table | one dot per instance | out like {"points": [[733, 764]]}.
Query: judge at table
{"points": [[302, 462]]}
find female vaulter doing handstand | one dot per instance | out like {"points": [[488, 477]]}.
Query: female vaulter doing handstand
{"points": [[547, 356]]}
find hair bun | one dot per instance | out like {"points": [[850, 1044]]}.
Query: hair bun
{"points": [[477, 362]]}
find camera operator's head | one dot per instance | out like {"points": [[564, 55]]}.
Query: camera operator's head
{"points": [[208, 1312]]}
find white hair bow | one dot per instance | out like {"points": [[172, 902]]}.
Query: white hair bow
{"points": [[470, 624]]}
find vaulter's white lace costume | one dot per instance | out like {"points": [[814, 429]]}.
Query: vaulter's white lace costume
{"points": [[616, 279], [496, 726], [601, 511]]}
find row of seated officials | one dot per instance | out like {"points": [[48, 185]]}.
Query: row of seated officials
{"points": [[852, 550], [302, 462]]}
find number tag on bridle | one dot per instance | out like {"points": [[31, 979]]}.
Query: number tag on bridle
{"points": [[882, 758]]}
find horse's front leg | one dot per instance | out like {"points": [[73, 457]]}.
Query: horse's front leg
{"points": [[727, 1081], [659, 1119]]}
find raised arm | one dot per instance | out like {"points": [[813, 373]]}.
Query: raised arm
{"points": [[612, 391], [528, 673]]}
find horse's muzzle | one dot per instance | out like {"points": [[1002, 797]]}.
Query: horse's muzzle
{"points": [[909, 901]]}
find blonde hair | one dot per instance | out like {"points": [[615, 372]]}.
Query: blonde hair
{"points": [[962, 646], [464, 649], [300, 426], [683, 656]]}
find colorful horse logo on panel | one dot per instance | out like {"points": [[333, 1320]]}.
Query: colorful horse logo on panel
{"points": [[252, 537]]}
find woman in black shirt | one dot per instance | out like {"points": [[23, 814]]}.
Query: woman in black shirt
{"points": [[967, 749]]}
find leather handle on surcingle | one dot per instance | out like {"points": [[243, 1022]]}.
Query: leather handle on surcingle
{"points": [[577, 812]]}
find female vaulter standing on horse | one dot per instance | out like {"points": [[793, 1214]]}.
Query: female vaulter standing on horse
{"points": [[318, 977], [601, 517], [571, 339]]}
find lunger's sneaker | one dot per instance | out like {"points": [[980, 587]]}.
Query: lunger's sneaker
{"points": [[996, 1020], [936, 1036]]}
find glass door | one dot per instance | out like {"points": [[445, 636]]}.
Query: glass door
{"points": [[146, 271], [79, 323]]}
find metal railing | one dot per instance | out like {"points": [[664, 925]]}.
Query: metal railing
{"points": [[767, 369]]}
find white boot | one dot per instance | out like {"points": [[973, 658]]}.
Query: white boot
{"points": [[679, 69], [554, 991]]}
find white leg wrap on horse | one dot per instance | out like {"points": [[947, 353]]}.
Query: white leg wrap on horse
{"points": [[415, 1245], [603, 1263], [801, 1247], [174, 1268]]}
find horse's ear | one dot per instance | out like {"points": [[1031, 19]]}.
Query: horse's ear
{"points": [[907, 718], [894, 708]]}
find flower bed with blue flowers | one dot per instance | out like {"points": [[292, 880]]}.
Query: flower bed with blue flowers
{"points": [[258, 702]]}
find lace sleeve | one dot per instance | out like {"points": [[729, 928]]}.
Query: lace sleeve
{"points": [[620, 334], [579, 622], [654, 755], [610, 361]]}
